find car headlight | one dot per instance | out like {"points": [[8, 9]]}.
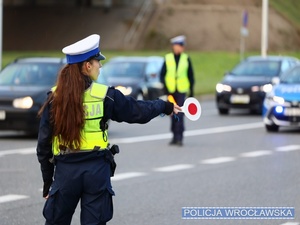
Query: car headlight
{"points": [[279, 109], [124, 90], [222, 87], [267, 88], [23, 103], [255, 88], [278, 100]]}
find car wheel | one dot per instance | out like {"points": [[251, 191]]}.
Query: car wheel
{"points": [[272, 128], [223, 111], [140, 96]]}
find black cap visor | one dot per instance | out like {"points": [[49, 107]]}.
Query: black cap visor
{"points": [[98, 57]]}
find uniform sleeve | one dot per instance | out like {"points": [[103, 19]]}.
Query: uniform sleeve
{"points": [[44, 150], [122, 108]]}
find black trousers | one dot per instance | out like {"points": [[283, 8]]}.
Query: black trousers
{"points": [[84, 177], [177, 124]]}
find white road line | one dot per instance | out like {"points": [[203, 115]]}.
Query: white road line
{"points": [[123, 176], [23, 151], [215, 130], [11, 197], [174, 168], [290, 223], [190, 133], [154, 137], [218, 160], [288, 148], [256, 153]]}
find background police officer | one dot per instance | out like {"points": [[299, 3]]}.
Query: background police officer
{"points": [[177, 75], [73, 144]]}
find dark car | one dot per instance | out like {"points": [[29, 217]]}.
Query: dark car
{"points": [[246, 85], [282, 104], [135, 76], [23, 87]]}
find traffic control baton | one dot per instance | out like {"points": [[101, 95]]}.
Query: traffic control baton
{"points": [[191, 107]]}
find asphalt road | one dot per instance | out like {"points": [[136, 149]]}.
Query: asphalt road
{"points": [[226, 161]]}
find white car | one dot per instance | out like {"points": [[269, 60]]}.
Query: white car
{"points": [[281, 106]]}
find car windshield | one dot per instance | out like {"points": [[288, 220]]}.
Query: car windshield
{"points": [[124, 69], [29, 74], [257, 68], [291, 77]]}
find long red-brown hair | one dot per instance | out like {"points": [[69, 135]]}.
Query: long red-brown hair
{"points": [[67, 111]]}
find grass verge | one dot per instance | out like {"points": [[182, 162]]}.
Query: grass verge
{"points": [[209, 67]]}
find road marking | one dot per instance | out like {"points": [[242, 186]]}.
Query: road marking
{"points": [[174, 168], [223, 129], [218, 160], [11, 197], [190, 133], [23, 151], [123, 176], [288, 148], [256, 153], [290, 223]]}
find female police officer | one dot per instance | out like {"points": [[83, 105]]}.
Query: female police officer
{"points": [[73, 145]]}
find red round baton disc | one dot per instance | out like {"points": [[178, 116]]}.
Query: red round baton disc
{"points": [[192, 109]]}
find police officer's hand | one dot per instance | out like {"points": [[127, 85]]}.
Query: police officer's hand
{"points": [[46, 188], [171, 108], [176, 109]]}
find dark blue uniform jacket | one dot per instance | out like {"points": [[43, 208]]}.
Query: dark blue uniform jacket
{"points": [[117, 107]]}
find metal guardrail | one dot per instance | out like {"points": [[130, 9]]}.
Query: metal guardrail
{"points": [[138, 20]]}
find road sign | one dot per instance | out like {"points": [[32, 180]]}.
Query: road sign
{"points": [[245, 18], [244, 29]]}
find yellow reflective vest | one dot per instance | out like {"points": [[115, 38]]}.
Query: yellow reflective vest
{"points": [[177, 79], [92, 135]]}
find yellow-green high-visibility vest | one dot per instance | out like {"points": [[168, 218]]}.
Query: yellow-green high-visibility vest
{"points": [[92, 135], [177, 79]]}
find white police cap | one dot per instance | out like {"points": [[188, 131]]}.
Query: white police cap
{"points": [[87, 48], [180, 40]]}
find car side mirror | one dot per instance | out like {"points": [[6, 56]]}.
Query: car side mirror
{"points": [[275, 80]]}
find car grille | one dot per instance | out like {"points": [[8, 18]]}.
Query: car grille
{"points": [[241, 90], [288, 118], [5, 103], [293, 103], [281, 116]]}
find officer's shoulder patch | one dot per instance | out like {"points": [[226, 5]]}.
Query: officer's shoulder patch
{"points": [[98, 90]]}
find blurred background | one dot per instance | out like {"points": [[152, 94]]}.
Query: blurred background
{"points": [[209, 25], [229, 158]]}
